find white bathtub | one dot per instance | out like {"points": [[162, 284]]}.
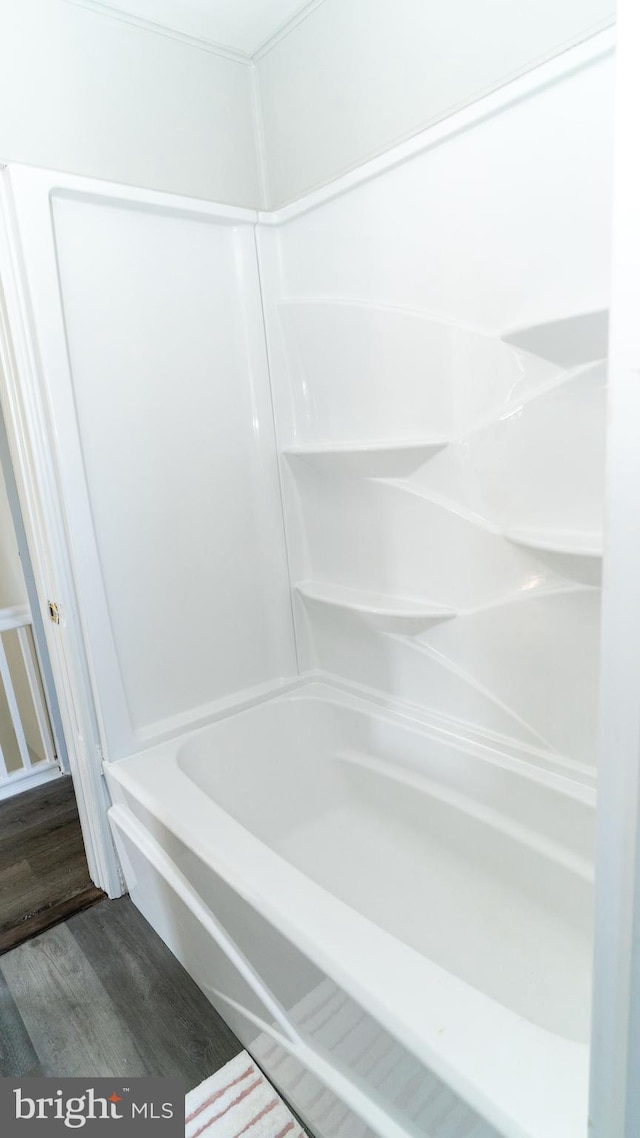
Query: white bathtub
{"points": [[377, 904]]}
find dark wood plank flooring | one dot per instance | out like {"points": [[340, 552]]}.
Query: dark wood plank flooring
{"points": [[43, 867], [101, 995]]}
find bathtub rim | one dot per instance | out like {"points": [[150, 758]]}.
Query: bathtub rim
{"points": [[522, 1078]]}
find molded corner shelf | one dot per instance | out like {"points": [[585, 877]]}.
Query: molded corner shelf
{"points": [[381, 611], [369, 459], [569, 342], [569, 543]]}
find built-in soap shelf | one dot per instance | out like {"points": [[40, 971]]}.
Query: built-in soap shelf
{"points": [[381, 611], [574, 340], [572, 543], [392, 459]]}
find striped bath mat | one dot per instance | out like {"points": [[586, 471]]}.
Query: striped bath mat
{"points": [[238, 1100]]}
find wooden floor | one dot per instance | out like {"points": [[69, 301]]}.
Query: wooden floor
{"points": [[43, 868], [101, 995]]}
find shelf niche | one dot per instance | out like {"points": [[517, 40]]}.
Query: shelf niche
{"points": [[380, 611], [368, 459], [568, 543], [569, 342]]}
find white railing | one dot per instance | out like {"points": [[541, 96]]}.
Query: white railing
{"points": [[25, 705]]}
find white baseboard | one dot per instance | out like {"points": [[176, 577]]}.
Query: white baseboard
{"points": [[27, 780]]}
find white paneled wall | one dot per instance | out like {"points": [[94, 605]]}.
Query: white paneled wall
{"points": [[441, 468], [357, 76], [505, 225], [152, 336], [443, 474], [89, 94]]}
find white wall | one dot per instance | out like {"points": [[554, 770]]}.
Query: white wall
{"points": [[85, 93], [357, 76], [167, 451], [505, 224], [386, 309]]}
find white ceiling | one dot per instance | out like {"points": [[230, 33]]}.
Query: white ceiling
{"points": [[243, 25]]}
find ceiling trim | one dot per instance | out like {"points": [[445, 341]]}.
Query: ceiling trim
{"points": [[284, 29], [162, 30], [201, 42]]}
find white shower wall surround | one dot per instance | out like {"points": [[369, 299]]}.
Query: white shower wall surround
{"points": [[490, 543], [335, 502], [443, 475]]}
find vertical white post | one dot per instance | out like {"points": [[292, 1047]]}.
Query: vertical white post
{"points": [[14, 710], [615, 1078], [36, 692], [18, 620]]}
